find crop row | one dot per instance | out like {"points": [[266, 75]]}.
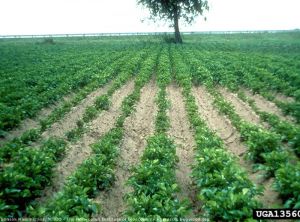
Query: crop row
{"points": [[32, 135], [229, 79], [202, 75], [153, 180], [284, 69], [223, 187], [289, 133], [234, 70], [97, 172], [14, 207], [264, 149], [30, 171], [27, 91], [128, 69]]}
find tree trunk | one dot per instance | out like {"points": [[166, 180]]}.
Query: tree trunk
{"points": [[176, 27]]}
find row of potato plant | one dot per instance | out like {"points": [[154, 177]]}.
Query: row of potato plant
{"points": [[236, 69], [271, 138], [282, 68], [29, 172], [97, 172], [287, 174], [270, 83], [43, 158], [289, 132], [32, 135], [223, 187], [128, 69], [268, 87], [264, 149], [153, 180], [102, 77], [26, 91]]}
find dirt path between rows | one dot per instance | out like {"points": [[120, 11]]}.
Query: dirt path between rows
{"points": [[69, 120], [182, 133], [27, 124], [267, 106], [78, 152], [241, 108], [138, 127], [283, 98], [231, 137]]}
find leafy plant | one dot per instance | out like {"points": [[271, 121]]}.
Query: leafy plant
{"points": [[93, 175], [273, 161], [154, 183], [288, 184], [23, 181], [89, 114], [102, 102], [223, 187], [72, 203], [259, 141], [8, 150], [153, 180], [74, 134]]}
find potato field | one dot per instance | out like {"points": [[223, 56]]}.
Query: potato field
{"points": [[137, 129]]}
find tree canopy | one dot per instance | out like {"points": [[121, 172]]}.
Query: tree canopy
{"points": [[173, 10]]}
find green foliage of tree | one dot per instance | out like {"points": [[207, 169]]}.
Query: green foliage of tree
{"points": [[173, 10]]}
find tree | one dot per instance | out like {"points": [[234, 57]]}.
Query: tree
{"points": [[173, 10]]}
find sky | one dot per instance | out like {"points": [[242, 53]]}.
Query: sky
{"points": [[22, 17]]}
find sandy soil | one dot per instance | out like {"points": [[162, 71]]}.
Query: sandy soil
{"points": [[27, 124], [217, 122], [241, 108], [69, 120], [267, 106], [231, 137], [138, 127], [284, 98], [78, 152], [182, 134]]}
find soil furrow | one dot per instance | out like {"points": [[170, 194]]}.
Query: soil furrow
{"points": [[241, 108], [182, 133], [78, 152], [29, 123], [231, 137], [267, 106], [218, 123], [69, 120], [137, 128], [283, 98]]}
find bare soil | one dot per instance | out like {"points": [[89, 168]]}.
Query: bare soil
{"points": [[138, 127], [284, 98], [69, 120], [231, 137], [241, 108], [81, 150], [29, 123], [267, 106], [218, 123], [183, 136]]}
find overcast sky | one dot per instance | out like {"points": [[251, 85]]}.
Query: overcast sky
{"points": [[96, 16]]}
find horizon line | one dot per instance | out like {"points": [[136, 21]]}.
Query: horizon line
{"points": [[144, 33]]}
